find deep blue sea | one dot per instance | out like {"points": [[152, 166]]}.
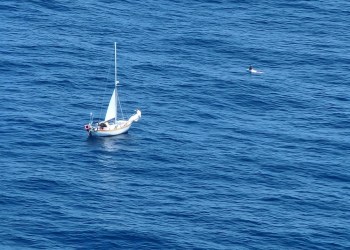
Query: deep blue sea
{"points": [[221, 159]]}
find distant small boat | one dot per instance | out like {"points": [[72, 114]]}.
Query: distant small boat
{"points": [[254, 71], [111, 125]]}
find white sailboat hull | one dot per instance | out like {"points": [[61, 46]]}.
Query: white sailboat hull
{"points": [[109, 131], [121, 127]]}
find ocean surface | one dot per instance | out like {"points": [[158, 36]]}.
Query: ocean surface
{"points": [[221, 159]]}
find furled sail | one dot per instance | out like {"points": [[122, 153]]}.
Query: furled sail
{"points": [[111, 111]]}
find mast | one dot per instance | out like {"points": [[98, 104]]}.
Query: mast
{"points": [[115, 82]]}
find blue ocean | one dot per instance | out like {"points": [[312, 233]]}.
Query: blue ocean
{"points": [[221, 158]]}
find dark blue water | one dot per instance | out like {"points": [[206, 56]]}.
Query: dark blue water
{"points": [[220, 160]]}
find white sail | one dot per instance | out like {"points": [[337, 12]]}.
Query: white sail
{"points": [[111, 111]]}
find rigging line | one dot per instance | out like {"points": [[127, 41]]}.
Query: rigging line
{"points": [[120, 106], [104, 93]]}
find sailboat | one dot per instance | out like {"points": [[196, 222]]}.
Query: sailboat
{"points": [[112, 125]]}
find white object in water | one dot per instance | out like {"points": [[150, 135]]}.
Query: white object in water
{"points": [[254, 71], [111, 125]]}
